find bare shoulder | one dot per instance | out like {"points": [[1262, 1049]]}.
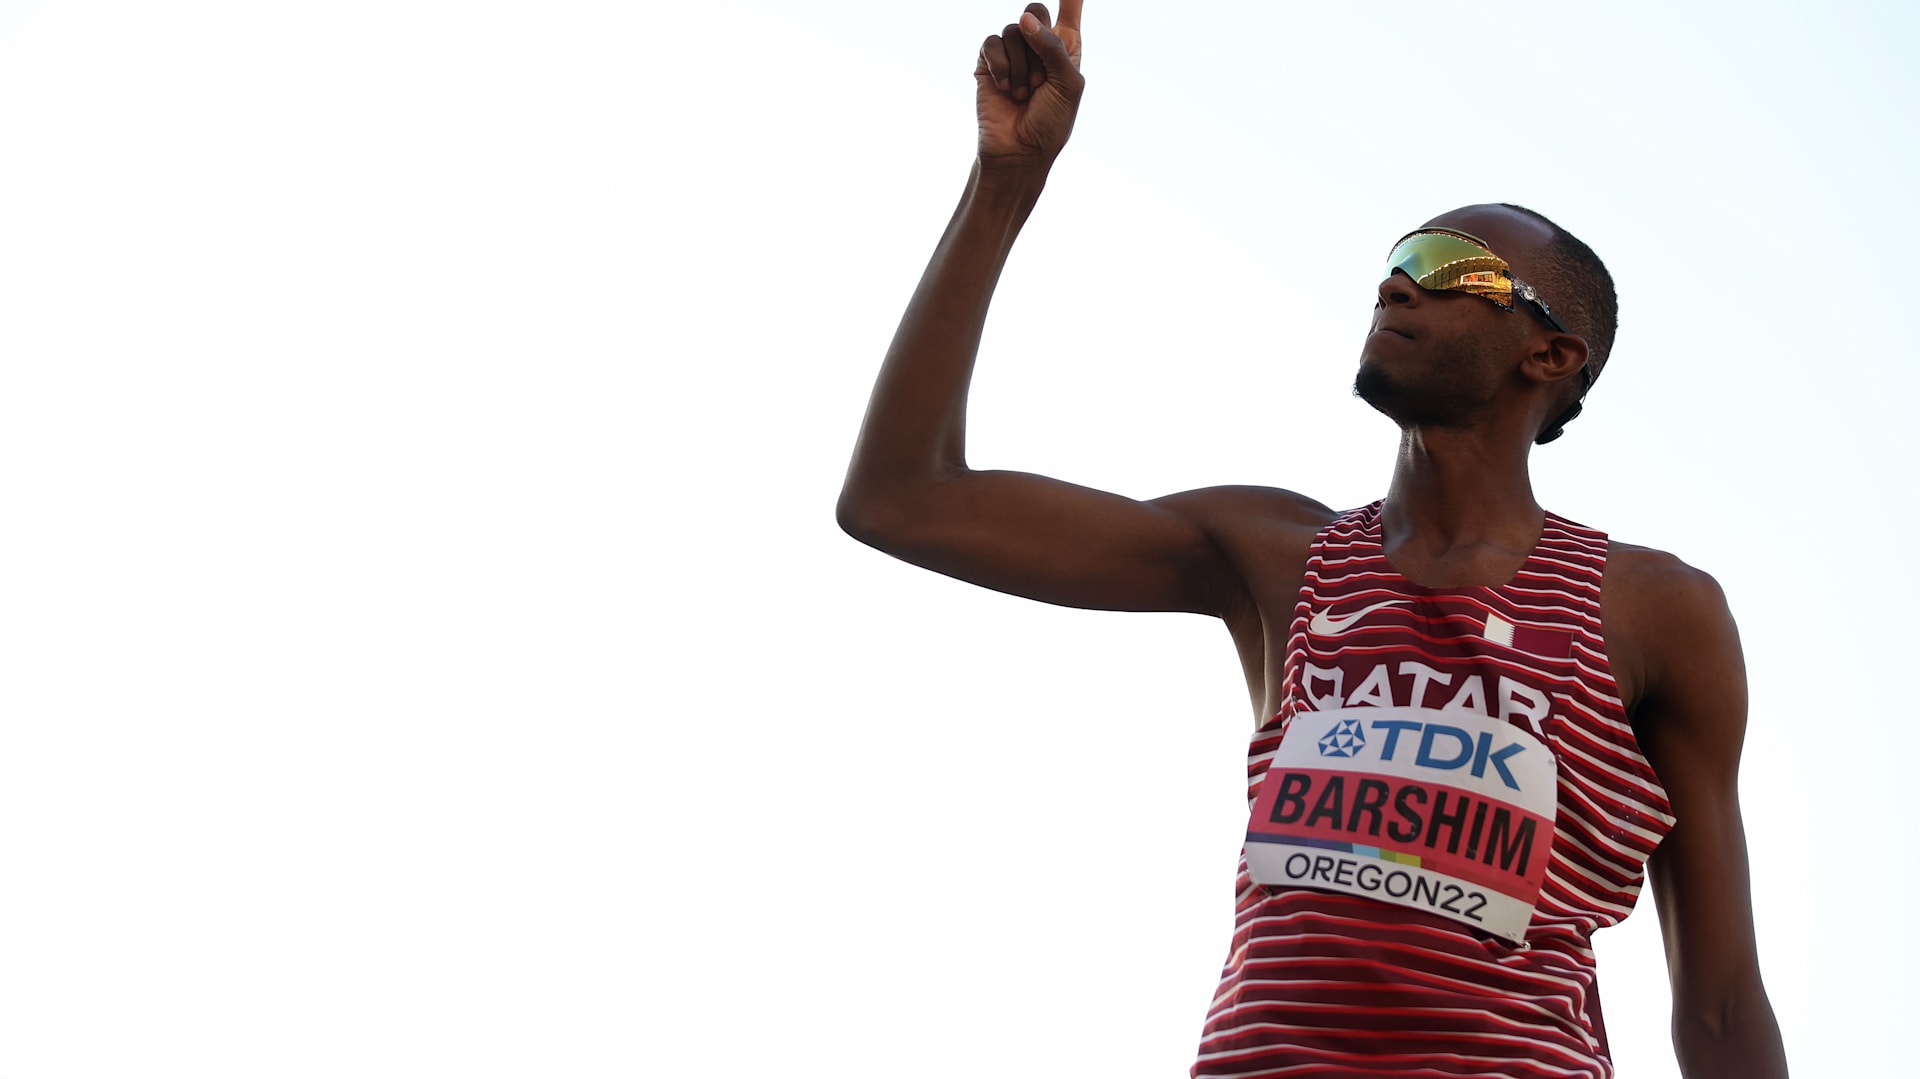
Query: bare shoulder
{"points": [[1263, 535], [1644, 573], [1257, 528], [1227, 510], [1662, 615]]}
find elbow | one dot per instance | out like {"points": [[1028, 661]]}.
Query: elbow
{"points": [[864, 517], [854, 515], [886, 517], [891, 513]]}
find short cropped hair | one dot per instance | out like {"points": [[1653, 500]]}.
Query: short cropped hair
{"points": [[1576, 284]]}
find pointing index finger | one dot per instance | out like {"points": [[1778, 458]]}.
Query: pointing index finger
{"points": [[1069, 15]]}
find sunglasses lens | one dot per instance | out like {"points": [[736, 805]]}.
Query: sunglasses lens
{"points": [[1444, 261]]}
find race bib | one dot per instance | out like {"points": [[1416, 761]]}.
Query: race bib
{"points": [[1449, 812]]}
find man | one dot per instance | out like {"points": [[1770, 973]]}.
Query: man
{"points": [[1478, 722]]}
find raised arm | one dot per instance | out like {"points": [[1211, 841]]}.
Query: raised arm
{"points": [[1691, 720], [909, 491]]}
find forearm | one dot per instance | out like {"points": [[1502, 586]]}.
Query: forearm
{"points": [[1740, 1041], [915, 426]]}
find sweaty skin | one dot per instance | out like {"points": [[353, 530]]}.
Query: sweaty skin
{"points": [[1471, 386]]}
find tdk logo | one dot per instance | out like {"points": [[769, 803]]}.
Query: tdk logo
{"points": [[1440, 746], [1443, 745], [1344, 740]]}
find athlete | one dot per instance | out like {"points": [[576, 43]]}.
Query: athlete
{"points": [[1478, 724]]}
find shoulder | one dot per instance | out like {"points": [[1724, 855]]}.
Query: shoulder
{"points": [[1262, 534], [1264, 523], [1223, 511], [1637, 575], [1661, 616]]}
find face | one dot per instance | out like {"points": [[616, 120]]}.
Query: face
{"points": [[1441, 358]]}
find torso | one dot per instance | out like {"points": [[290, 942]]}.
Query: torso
{"points": [[1300, 951]]}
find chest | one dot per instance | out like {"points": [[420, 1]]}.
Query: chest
{"points": [[1397, 640]]}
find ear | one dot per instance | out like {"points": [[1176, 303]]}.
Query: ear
{"points": [[1555, 357], [1559, 357]]}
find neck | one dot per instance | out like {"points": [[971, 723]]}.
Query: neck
{"points": [[1456, 493]]}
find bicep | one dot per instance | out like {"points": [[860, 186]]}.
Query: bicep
{"points": [[1062, 543]]}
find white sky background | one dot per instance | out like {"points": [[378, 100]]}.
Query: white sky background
{"points": [[425, 644]]}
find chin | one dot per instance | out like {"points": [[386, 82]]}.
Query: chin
{"points": [[1374, 386]]}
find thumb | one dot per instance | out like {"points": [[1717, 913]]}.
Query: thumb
{"points": [[1052, 52]]}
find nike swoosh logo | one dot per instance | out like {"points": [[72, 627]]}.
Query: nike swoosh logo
{"points": [[1324, 624]]}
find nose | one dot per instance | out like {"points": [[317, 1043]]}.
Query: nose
{"points": [[1398, 290]]}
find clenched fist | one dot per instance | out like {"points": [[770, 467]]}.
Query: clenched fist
{"points": [[1027, 87]]}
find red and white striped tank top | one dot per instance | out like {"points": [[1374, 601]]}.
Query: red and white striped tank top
{"points": [[1323, 983]]}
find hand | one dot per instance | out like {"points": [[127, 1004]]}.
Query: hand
{"points": [[1027, 87]]}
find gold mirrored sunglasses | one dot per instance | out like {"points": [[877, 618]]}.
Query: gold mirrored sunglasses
{"points": [[1452, 261], [1448, 260]]}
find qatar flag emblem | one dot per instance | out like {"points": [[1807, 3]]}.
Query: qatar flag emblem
{"points": [[1533, 640]]}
